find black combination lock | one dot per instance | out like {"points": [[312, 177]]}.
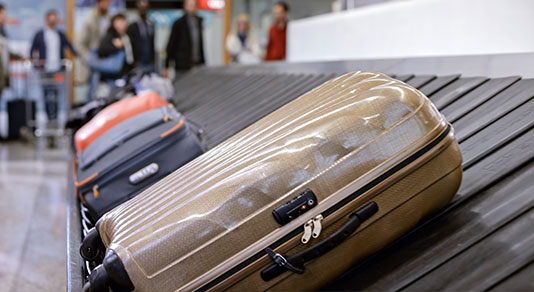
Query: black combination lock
{"points": [[295, 207]]}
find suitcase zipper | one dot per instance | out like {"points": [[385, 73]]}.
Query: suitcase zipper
{"points": [[307, 232], [317, 225], [312, 228]]}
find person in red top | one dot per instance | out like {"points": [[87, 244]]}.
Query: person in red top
{"points": [[276, 48]]}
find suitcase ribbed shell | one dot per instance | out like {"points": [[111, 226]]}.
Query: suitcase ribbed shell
{"points": [[220, 204]]}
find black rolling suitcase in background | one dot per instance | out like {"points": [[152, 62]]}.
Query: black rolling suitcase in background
{"points": [[19, 111], [132, 156]]}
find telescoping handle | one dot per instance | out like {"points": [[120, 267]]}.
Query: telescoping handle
{"points": [[295, 263]]}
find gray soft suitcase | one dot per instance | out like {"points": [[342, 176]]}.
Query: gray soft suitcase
{"points": [[132, 156]]}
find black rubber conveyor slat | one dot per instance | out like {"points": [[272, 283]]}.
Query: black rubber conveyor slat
{"points": [[476, 97], [404, 78], [225, 94], [498, 133], [494, 108], [509, 245], [419, 81], [233, 119], [455, 90], [229, 99], [516, 280], [497, 164], [188, 87], [250, 98], [438, 83]]}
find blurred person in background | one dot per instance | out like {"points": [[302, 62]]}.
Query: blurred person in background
{"points": [[276, 48], [93, 29], [3, 18], [4, 72], [49, 45], [5, 54], [185, 46], [241, 44], [141, 34], [116, 40], [48, 50], [4, 51]]}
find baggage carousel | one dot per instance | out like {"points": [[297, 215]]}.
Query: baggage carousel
{"points": [[483, 240]]}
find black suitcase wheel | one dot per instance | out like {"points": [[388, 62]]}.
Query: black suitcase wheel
{"points": [[92, 248]]}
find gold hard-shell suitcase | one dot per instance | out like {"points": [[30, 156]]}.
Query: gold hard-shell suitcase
{"points": [[290, 202]]}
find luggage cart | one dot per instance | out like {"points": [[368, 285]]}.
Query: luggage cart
{"points": [[51, 89]]}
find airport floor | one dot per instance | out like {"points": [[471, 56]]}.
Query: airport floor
{"points": [[32, 217]]}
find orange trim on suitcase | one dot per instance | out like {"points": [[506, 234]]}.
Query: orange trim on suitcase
{"points": [[172, 129], [95, 192], [85, 181], [74, 174]]}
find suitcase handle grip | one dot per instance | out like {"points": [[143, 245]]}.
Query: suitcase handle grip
{"points": [[297, 260]]}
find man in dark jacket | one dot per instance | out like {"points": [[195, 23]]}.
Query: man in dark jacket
{"points": [[185, 43], [141, 34], [49, 45]]}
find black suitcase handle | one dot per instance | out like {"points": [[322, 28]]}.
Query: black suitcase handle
{"points": [[295, 263]]}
